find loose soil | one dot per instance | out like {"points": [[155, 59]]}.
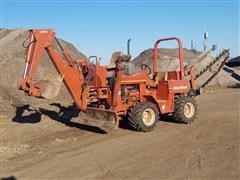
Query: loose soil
{"points": [[37, 146]]}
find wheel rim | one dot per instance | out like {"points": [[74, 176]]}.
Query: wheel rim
{"points": [[188, 110], [148, 116]]}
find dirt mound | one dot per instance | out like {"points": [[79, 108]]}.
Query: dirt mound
{"points": [[168, 58], [168, 61], [12, 57], [227, 77]]}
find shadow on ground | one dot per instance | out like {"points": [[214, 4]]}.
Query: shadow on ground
{"points": [[9, 178], [63, 115], [168, 118]]}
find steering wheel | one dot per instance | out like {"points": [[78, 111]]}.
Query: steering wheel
{"points": [[146, 67]]}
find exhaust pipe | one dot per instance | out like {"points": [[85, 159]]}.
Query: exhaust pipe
{"points": [[128, 46]]}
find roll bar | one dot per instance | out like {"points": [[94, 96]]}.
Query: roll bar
{"points": [[180, 54]]}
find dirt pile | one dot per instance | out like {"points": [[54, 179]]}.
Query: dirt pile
{"points": [[227, 77], [167, 56], [168, 61], [12, 57]]}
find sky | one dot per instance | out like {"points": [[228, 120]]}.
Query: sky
{"points": [[102, 27]]}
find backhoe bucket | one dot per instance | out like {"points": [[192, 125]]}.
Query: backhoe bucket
{"points": [[98, 118], [52, 87]]}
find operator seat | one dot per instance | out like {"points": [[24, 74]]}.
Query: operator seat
{"points": [[118, 56], [118, 60], [161, 76], [114, 58]]}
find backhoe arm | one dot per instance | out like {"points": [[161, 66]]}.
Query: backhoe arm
{"points": [[69, 71]]}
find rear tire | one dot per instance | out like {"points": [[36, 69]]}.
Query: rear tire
{"points": [[185, 109], [143, 116]]}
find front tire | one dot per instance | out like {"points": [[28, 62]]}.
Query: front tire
{"points": [[143, 116], [185, 109]]}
